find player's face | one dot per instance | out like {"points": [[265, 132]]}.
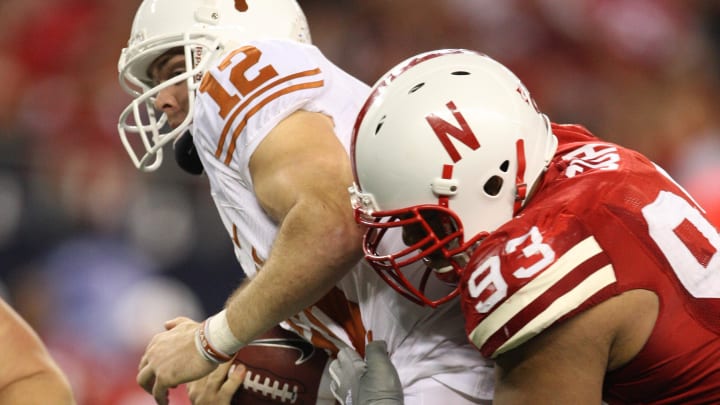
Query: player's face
{"points": [[414, 233], [173, 100]]}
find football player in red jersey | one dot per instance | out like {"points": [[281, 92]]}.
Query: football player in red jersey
{"points": [[585, 271]]}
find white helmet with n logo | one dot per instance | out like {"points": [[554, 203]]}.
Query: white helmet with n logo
{"points": [[449, 142], [201, 30]]}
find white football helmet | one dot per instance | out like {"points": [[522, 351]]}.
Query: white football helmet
{"points": [[205, 29], [450, 143]]}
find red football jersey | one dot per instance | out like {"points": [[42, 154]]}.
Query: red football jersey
{"points": [[603, 221]]}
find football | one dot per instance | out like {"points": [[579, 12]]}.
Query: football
{"points": [[282, 368]]}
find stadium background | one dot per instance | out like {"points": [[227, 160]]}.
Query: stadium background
{"points": [[96, 255]]}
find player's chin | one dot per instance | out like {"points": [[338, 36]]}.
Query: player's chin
{"points": [[176, 120]]}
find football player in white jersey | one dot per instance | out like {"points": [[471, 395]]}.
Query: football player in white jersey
{"points": [[244, 97]]}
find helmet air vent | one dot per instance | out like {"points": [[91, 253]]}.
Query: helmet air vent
{"points": [[505, 166], [416, 88], [460, 73], [380, 124]]}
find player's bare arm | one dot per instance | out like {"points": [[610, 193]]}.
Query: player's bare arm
{"points": [[566, 364], [300, 174], [28, 375]]}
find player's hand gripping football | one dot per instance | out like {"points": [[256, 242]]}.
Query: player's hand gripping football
{"points": [[373, 381], [218, 387], [171, 358]]}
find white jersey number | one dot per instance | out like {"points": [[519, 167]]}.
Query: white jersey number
{"points": [[487, 278], [664, 217], [591, 156], [544, 254]]}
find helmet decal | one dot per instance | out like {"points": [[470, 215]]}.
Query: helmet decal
{"points": [[520, 183], [443, 128], [443, 199]]}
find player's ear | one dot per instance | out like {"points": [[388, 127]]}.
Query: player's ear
{"points": [[186, 155]]}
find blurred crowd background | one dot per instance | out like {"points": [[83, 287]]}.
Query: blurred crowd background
{"points": [[96, 255]]}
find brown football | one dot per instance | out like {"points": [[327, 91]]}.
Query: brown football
{"points": [[283, 368]]}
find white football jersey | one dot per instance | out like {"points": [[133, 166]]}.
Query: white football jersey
{"points": [[240, 101]]}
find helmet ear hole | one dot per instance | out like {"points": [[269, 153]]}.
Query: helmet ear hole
{"points": [[493, 186]]}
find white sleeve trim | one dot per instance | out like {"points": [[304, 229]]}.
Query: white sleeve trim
{"points": [[538, 286], [560, 307]]}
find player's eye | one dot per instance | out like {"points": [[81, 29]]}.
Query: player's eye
{"points": [[176, 72]]}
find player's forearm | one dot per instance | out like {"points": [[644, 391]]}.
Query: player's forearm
{"points": [[311, 253], [47, 386], [28, 374], [315, 247]]}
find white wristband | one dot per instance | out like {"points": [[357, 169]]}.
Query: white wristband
{"points": [[220, 335], [204, 348]]}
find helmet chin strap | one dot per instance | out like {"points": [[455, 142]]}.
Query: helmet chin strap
{"points": [[521, 192]]}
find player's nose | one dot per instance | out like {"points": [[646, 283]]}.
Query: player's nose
{"points": [[166, 99]]}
